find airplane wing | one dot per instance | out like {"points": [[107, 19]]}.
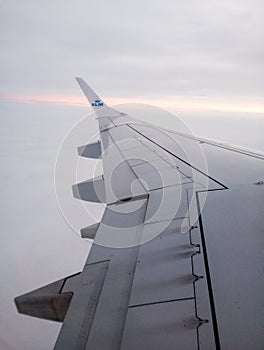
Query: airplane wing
{"points": [[177, 259]]}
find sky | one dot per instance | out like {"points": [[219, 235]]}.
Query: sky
{"points": [[200, 60]]}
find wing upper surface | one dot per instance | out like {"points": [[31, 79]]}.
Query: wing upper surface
{"points": [[168, 168]]}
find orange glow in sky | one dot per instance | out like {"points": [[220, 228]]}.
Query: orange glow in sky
{"points": [[170, 103]]}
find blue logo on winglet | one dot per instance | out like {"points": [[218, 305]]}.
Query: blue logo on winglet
{"points": [[97, 103]]}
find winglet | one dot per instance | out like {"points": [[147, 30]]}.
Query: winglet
{"points": [[94, 100], [101, 109]]}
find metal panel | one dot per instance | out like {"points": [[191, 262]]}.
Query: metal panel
{"points": [[167, 204], [164, 139], [129, 187], [92, 190], [121, 224], [123, 135], [92, 150], [187, 153], [233, 168], [206, 330], [86, 289], [153, 229], [116, 168], [164, 267], [140, 153], [89, 231], [46, 302], [167, 326], [109, 320], [233, 224], [159, 174], [230, 147]]}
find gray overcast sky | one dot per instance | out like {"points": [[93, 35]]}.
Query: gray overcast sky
{"points": [[149, 49], [202, 59]]}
